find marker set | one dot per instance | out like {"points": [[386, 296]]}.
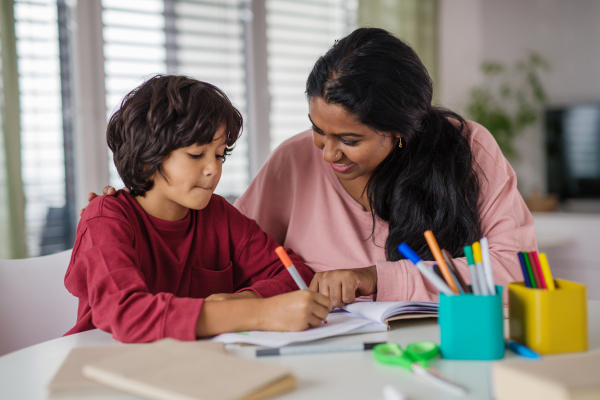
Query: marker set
{"points": [[471, 324], [446, 277]]}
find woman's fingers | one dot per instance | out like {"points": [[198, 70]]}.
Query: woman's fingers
{"points": [[91, 196], [109, 190], [342, 286], [314, 284]]}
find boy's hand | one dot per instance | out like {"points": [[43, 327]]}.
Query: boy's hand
{"points": [[295, 311], [105, 190], [343, 286], [246, 294]]}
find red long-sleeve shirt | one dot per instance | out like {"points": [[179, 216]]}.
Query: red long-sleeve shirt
{"points": [[143, 279]]}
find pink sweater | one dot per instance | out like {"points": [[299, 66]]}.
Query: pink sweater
{"points": [[297, 199]]}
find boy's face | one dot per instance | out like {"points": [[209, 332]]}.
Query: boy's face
{"points": [[192, 174]]}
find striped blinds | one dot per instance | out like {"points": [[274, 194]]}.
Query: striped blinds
{"points": [[298, 33], [42, 151], [201, 39]]}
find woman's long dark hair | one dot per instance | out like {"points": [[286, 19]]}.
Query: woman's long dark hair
{"points": [[432, 181]]}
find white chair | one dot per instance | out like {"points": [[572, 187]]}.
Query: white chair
{"points": [[35, 306]]}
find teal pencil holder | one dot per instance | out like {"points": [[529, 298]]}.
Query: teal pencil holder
{"points": [[471, 327]]}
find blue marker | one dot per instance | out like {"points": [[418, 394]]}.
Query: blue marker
{"points": [[521, 350], [407, 252], [524, 269]]}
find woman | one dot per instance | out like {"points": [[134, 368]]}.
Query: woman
{"points": [[380, 166]]}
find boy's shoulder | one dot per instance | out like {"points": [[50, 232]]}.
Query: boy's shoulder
{"points": [[118, 206], [219, 207]]}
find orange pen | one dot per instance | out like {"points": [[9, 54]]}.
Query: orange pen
{"points": [[289, 266], [437, 254]]}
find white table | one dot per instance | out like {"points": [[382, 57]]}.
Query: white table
{"points": [[24, 374]]}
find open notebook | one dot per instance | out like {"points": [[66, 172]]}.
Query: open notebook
{"points": [[359, 317]]}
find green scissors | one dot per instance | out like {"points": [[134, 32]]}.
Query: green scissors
{"points": [[416, 358], [417, 352]]}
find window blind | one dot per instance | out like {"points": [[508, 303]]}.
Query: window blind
{"points": [[298, 33], [200, 39], [42, 151]]}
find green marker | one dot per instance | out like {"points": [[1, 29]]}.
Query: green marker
{"points": [[529, 271], [472, 270]]}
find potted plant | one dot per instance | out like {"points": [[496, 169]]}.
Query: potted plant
{"points": [[509, 99]]}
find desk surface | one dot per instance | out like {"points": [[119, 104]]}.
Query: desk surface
{"points": [[24, 374]]}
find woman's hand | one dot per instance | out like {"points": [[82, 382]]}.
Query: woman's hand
{"points": [[105, 190], [342, 286], [295, 311], [246, 294]]}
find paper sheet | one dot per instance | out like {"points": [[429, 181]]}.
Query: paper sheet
{"points": [[380, 311], [338, 323]]}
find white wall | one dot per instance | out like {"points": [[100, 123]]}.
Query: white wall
{"points": [[571, 243], [565, 33]]}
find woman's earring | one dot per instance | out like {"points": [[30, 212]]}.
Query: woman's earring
{"points": [[400, 142]]}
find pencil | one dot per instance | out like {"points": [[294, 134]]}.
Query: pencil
{"points": [[437, 254]]}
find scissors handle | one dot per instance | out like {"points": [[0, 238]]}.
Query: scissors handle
{"points": [[418, 352], [423, 351]]}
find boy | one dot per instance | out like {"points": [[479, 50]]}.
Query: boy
{"points": [[165, 259]]}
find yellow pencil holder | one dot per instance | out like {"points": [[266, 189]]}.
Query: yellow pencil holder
{"points": [[549, 321]]}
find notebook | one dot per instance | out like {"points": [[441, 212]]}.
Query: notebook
{"points": [[358, 317], [175, 370], [558, 377], [70, 382]]}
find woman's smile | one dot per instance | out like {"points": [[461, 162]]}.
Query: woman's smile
{"points": [[342, 168]]}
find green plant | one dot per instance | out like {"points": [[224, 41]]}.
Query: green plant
{"points": [[509, 100]]}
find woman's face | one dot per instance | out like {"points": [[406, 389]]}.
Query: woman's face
{"points": [[353, 149]]}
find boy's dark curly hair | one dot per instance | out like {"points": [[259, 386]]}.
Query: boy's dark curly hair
{"points": [[163, 114]]}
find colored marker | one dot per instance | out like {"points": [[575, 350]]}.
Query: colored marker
{"points": [[427, 272], [546, 271], [529, 270], [521, 350], [524, 269], [437, 271], [454, 271], [536, 276], [479, 267], [287, 262], [538, 268], [487, 265], [316, 348], [454, 278], [437, 254], [472, 270]]}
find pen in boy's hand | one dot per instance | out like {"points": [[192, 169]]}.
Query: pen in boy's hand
{"points": [[287, 263]]}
